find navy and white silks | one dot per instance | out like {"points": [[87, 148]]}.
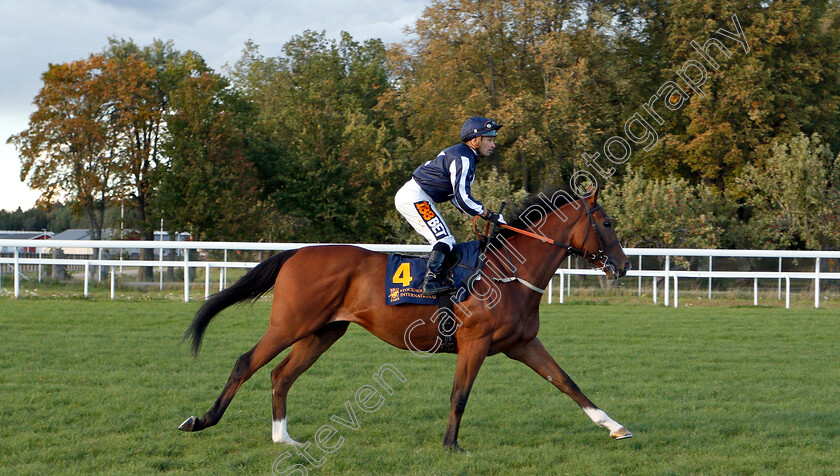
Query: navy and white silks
{"points": [[448, 177]]}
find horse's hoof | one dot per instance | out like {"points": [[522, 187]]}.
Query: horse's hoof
{"points": [[621, 434], [287, 441], [189, 424], [456, 449]]}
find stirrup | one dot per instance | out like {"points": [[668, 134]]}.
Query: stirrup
{"points": [[438, 285]]}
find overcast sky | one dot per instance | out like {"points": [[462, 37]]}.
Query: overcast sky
{"points": [[35, 33]]}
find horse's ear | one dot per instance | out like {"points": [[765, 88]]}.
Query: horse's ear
{"points": [[592, 193]]}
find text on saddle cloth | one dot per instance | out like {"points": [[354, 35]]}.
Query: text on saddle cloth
{"points": [[404, 275]]}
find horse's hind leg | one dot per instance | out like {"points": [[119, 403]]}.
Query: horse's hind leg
{"points": [[271, 344], [303, 354], [534, 355]]}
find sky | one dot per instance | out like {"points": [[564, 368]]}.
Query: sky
{"points": [[35, 33]]}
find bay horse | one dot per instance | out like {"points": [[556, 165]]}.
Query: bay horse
{"points": [[320, 290]]}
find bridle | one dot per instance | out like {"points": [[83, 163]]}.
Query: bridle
{"points": [[600, 260]]}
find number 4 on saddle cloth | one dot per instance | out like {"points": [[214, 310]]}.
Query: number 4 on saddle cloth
{"points": [[404, 275]]}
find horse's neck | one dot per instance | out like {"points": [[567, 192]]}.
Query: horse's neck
{"points": [[534, 260]]}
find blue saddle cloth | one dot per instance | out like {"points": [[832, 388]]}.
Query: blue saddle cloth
{"points": [[404, 275]]}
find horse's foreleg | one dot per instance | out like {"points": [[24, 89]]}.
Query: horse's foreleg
{"points": [[303, 354], [271, 344], [470, 357], [534, 355]]}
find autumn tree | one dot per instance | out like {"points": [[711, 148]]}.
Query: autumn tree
{"points": [[779, 79], [68, 149], [142, 80], [547, 70]]}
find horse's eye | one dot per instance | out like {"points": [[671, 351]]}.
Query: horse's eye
{"points": [[607, 224]]}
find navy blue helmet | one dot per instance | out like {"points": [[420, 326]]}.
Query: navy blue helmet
{"points": [[478, 126]]}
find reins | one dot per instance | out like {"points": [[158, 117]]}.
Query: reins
{"points": [[598, 259]]}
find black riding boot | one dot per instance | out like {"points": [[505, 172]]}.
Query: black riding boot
{"points": [[437, 275]]}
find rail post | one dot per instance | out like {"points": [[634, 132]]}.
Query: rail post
{"points": [[206, 281], [562, 279], [667, 280], [186, 275], [710, 278], [17, 272], [780, 279], [817, 284], [87, 277], [676, 291], [640, 276], [550, 290], [787, 292]]}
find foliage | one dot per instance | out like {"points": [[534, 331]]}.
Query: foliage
{"points": [[67, 151], [670, 213], [208, 186], [330, 162], [782, 86], [532, 66], [57, 218], [310, 144], [794, 195]]}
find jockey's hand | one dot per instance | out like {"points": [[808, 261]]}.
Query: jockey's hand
{"points": [[494, 217]]}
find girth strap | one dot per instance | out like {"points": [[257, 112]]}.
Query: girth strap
{"points": [[449, 345]]}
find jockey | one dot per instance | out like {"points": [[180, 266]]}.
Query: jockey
{"points": [[448, 177]]}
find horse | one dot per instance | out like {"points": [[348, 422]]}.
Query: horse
{"points": [[320, 290]]}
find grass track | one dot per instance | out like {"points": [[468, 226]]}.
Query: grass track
{"points": [[100, 387]]}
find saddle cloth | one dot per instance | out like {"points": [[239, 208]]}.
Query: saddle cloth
{"points": [[404, 275]]}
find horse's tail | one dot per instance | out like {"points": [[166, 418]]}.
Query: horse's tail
{"points": [[250, 287]]}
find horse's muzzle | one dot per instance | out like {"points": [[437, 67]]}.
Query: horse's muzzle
{"points": [[623, 272]]}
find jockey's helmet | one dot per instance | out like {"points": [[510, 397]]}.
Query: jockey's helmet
{"points": [[478, 126]]}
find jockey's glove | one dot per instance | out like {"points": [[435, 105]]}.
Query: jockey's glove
{"points": [[494, 217]]}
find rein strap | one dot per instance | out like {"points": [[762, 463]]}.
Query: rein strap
{"points": [[522, 281], [572, 249]]}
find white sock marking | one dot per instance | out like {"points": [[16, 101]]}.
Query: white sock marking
{"points": [[600, 418], [279, 433]]}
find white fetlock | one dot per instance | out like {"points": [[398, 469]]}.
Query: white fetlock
{"points": [[279, 433], [601, 419]]}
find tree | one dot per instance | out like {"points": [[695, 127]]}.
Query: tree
{"points": [[670, 213], [547, 70], [794, 195], [783, 81], [208, 186], [68, 150], [142, 80], [326, 160]]}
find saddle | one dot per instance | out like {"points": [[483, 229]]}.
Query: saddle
{"points": [[404, 285], [404, 275]]}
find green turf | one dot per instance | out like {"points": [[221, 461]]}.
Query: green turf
{"points": [[92, 386]]}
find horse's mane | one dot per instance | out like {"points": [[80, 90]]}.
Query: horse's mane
{"points": [[543, 198]]}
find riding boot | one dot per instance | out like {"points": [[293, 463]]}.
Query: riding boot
{"points": [[437, 275]]}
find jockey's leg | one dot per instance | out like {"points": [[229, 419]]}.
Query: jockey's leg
{"points": [[437, 279], [420, 211]]}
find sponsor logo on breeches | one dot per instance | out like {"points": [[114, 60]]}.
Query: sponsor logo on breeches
{"points": [[432, 220]]}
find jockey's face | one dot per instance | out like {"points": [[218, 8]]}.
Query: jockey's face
{"points": [[484, 145]]}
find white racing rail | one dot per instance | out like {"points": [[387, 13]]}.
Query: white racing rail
{"points": [[563, 273], [817, 275]]}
